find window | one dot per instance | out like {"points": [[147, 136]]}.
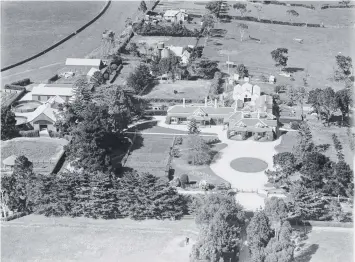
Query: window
{"points": [[48, 97], [247, 99]]}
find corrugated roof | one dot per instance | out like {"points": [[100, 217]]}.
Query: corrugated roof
{"points": [[43, 109], [171, 12], [179, 109], [82, 62], [43, 89]]}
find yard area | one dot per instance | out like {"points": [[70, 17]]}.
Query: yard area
{"points": [[37, 238], [194, 90], [197, 173], [42, 151], [328, 244]]}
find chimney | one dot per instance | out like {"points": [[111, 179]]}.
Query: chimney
{"points": [[215, 103], [183, 102], [205, 101]]}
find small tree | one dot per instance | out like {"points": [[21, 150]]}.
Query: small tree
{"points": [[240, 7], [208, 22], [345, 2], [279, 56], [259, 9], [242, 71], [242, 29], [328, 104], [214, 7], [292, 13], [344, 67], [193, 127], [8, 124], [338, 147], [344, 100], [132, 48], [216, 83], [142, 7]]}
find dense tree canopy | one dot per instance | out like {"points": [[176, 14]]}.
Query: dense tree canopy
{"points": [[205, 68], [344, 67], [214, 7], [8, 124], [280, 58], [140, 78]]}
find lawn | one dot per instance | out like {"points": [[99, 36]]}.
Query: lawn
{"points": [[195, 90], [328, 244], [43, 151], [37, 238], [197, 173], [288, 141]]}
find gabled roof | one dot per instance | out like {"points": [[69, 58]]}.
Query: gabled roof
{"points": [[43, 109], [55, 99], [82, 62], [177, 50], [92, 71], [43, 89], [171, 12], [179, 109]]}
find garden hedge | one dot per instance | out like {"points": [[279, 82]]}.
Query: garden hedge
{"points": [[22, 82], [337, 6], [14, 87], [29, 133]]}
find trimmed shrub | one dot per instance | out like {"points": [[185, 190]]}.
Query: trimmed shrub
{"points": [[53, 133], [270, 136], [294, 125], [184, 179], [114, 66], [212, 141], [175, 152], [23, 82], [29, 133], [178, 140], [244, 135], [167, 120], [53, 79]]}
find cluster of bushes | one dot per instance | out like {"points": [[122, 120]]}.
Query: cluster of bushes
{"points": [[212, 141], [53, 133], [29, 133], [53, 79], [164, 30], [23, 82], [178, 140], [268, 21], [294, 125]]}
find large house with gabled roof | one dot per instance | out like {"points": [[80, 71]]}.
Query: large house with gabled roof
{"points": [[241, 122]]}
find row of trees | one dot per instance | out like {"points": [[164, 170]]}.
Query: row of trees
{"points": [[317, 172], [90, 194]]}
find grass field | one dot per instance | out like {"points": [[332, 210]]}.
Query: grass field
{"points": [[195, 90], [248, 165], [37, 238], [40, 25], [150, 154], [44, 152], [328, 244]]}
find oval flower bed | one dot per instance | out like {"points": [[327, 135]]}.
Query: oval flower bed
{"points": [[248, 164]]}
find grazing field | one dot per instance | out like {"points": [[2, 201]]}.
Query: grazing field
{"points": [[42, 151], [37, 238], [328, 244], [40, 25], [195, 90]]}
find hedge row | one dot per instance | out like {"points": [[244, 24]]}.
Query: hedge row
{"points": [[53, 79], [29, 133], [14, 87], [285, 4], [268, 21], [22, 82], [337, 6]]}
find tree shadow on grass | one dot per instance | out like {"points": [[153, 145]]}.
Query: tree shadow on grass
{"points": [[138, 143], [307, 254]]}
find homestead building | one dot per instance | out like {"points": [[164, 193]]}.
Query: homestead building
{"points": [[43, 92], [243, 120]]}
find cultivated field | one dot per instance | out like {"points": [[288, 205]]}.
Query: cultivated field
{"points": [[328, 244], [195, 90], [37, 238], [43, 152]]}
